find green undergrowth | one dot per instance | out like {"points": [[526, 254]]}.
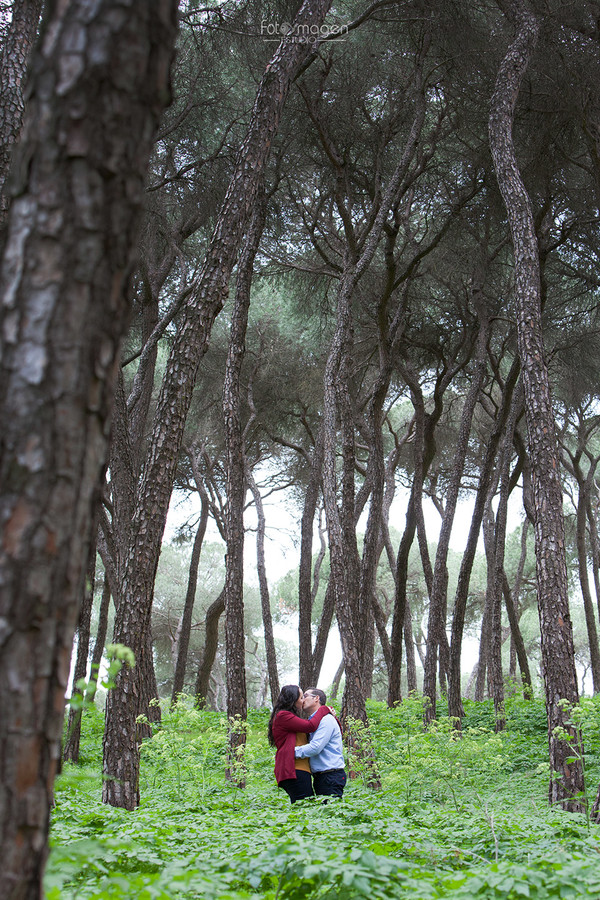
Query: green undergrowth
{"points": [[456, 817]]}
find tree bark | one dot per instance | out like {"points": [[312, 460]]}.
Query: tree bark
{"points": [[186, 620], [305, 596], [593, 532], [409, 647], [439, 591], [560, 678], [71, 747], [100, 641], [323, 631], [237, 703], [344, 587], [484, 641], [265, 601], [584, 487], [499, 537], [121, 757], [148, 697], [211, 643], [455, 707], [98, 86], [517, 638], [424, 453], [14, 58], [588, 603]]}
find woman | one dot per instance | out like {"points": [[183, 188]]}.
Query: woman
{"points": [[287, 730]]}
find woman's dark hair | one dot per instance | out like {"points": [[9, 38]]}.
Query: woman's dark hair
{"points": [[288, 696]]}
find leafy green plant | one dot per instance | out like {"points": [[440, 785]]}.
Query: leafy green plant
{"points": [[457, 817], [118, 655]]}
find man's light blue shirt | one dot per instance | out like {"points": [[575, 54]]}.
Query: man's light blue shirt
{"points": [[325, 750]]}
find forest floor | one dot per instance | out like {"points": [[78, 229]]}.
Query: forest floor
{"points": [[456, 818]]}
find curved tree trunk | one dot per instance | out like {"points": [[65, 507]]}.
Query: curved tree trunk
{"points": [[335, 684], [72, 231], [235, 652], [409, 646], [400, 602], [380, 624], [439, 591], [517, 638], [121, 756], [584, 581], [100, 641], [343, 586], [593, 532], [558, 660], [265, 601], [71, 747], [486, 627], [211, 643], [323, 631], [495, 660], [305, 584], [148, 696], [183, 642], [424, 452], [455, 707]]}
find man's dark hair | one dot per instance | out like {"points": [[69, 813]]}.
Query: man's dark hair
{"points": [[318, 693]]}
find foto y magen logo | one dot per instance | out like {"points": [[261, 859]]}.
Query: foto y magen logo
{"points": [[301, 34]]}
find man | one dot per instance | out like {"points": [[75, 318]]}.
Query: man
{"points": [[324, 749]]}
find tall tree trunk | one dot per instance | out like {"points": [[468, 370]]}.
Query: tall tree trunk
{"points": [[455, 707], [593, 532], [344, 587], [148, 696], [517, 638], [72, 231], [439, 591], [71, 747], [409, 647], [125, 450], [121, 757], [378, 508], [335, 684], [15, 53], [381, 623], [100, 641], [237, 702], [495, 661], [400, 602], [211, 643], [265, 601], [190, 595], [484, 638], [583, 486], [595, 813], [558, 660], [336, 399], [305, 594], [424, 453], [323, 631]]}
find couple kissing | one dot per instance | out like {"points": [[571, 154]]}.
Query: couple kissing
{"points": [[309, 760]]}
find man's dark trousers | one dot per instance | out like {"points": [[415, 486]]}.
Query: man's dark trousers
{"points": [[329, 783]]}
